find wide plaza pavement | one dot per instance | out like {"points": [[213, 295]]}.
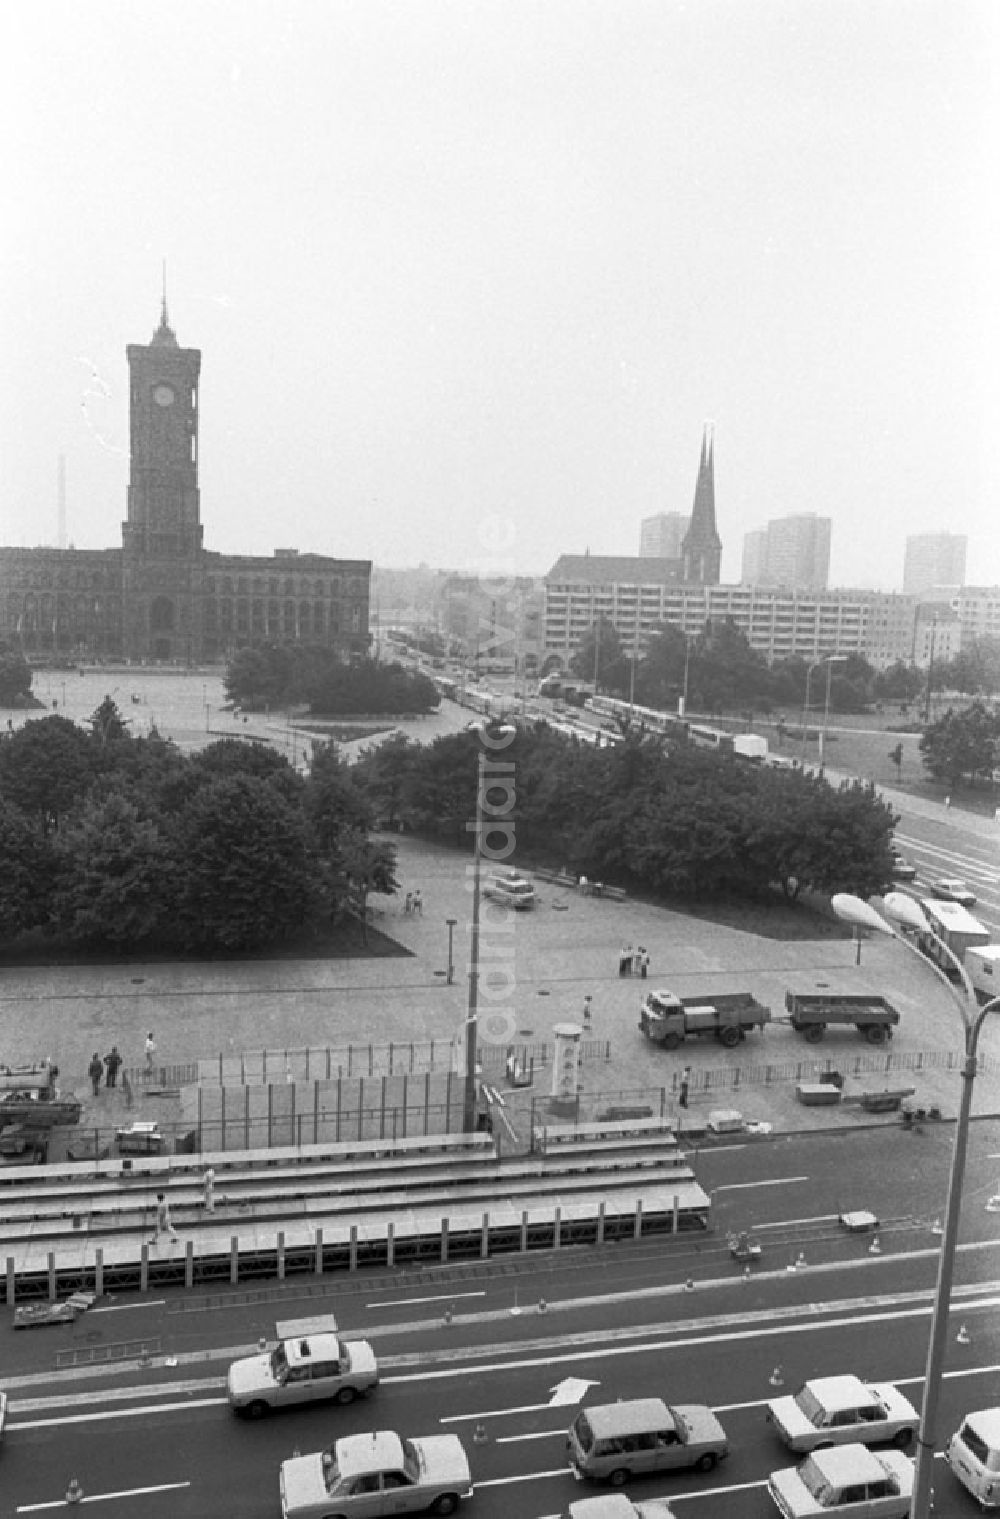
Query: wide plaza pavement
{"points": [[564, 951]]}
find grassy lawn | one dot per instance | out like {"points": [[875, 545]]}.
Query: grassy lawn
{"points": [[861, 744]]}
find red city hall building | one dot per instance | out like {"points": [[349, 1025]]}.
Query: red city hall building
{"points": [[163, 596]]}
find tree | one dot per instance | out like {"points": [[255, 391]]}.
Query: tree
{"points": [[600, 649], [27, 875], [243, 871], [336, 803], [361, 865], [660, 681], [107, 726], [15, 679], [114, 872], [961, 745], [44, 768]]}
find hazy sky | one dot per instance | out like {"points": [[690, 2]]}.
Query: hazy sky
{"points": [[453, 262]]}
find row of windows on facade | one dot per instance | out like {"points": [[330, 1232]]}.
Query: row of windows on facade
{"points": [[50, 604], [227, 585]]}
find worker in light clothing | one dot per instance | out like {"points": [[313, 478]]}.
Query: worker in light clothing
{"points": [[150, 1053], [164, 1223]]}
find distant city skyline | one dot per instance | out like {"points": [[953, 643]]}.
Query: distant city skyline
{"points": [[468, 281]]}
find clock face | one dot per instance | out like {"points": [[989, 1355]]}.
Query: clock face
{"points": [[163, 395]]}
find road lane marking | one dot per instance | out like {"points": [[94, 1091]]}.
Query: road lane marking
{"points": [[118, 1413], [779, 1181], [439, 1297], [156, 1302], [496, 1413], [538, 1434], [129, 1492]]}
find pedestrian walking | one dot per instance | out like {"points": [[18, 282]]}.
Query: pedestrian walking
{"points": [[408, 904], [625, 960], [112, 1064], [164, 1223], [644, 967], [95, 1071], [150, 1052], [637, 960], [587, 1015], [209, 1183], [682, 1095], [418, 904]]}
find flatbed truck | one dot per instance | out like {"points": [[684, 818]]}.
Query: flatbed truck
{"points": [[728, 1016]]}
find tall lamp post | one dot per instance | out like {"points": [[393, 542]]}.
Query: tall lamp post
{"points": [[904, 911], [805, 709], [470, 1108], [833, 659], [451, 922]]}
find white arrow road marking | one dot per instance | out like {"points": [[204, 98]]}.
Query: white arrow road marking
{"points": [[570, 1390]]}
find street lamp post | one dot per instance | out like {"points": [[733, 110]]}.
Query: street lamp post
{"points": [[906, 912], [470, 1111], [451, 922], [805, 710], [834, 659]]}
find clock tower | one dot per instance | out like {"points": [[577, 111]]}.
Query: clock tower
{"points": [[162, 534]]}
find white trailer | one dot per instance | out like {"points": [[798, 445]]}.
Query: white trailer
{"points": [[983, 965], [954, 927]]}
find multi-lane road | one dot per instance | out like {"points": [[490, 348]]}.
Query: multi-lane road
{"points": [[470, 1351]]}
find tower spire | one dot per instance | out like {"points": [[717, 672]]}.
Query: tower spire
{"points": [[701, 547], [164, 336]]}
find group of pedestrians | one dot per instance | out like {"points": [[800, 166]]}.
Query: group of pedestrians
{"points": [[106, 1070], [414, 904], [633, 962]]}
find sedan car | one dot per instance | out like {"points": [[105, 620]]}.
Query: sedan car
{"points": [[845, 1482], [837, 1410], [902, 870], [951, 889], [369, 1476], [617, 1506], [306, 1369]]}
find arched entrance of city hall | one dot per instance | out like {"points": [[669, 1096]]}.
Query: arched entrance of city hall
{"points": [[162, 627]]}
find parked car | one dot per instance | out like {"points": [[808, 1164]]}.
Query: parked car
{"points": [[376, 1474], [902, 870], [845, 1482], [307, 1369], [951, 889], [838, 1410]]}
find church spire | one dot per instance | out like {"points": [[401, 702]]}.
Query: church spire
{"points": [[701, 546]]}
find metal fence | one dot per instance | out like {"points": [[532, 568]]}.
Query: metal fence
{"points": [[412, 1057]]}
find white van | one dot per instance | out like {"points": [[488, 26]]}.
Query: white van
{"points": [[983, 964], [511, 889], [973, 1454]]}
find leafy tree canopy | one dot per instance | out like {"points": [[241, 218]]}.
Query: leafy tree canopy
{"points": [[15, 678], [962, 745]]}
